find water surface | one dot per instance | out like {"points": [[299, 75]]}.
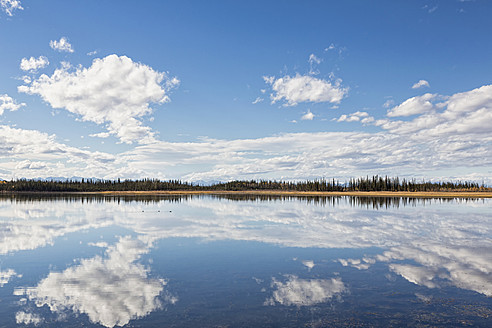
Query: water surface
{"points": [[208, 261]]}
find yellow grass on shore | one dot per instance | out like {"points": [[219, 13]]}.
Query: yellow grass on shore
{"points": [[443, 194]]}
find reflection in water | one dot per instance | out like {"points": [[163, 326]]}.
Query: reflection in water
{"points": [[27, 318], [304, 292], [111, 291], [373, 202], [465, 266], [6, 275], [432, 243]]}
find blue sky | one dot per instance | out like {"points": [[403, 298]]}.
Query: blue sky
{"points": [[220, 90]]}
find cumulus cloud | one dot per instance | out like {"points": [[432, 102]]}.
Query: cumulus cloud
{"points": [[8, 103], [9, 6], [420, 84], [114, 91], [462, 114], [30, 165], [35, 154], [448, 137], [20, 143], [310, 155], [100, 135], [33, 64], [305, 88], [356, 117], [414, 105], [308, 116], [62, 45], [305, 292], [111, 291]]}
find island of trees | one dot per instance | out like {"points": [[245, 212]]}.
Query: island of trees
{"points": [[374, 183]]}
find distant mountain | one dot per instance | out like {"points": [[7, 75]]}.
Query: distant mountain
{"points": [[62, 179]]}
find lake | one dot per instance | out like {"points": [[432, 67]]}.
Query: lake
{"points": [[233, 261]]}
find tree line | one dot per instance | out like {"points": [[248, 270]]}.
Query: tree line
{"points": [[374, 183]]}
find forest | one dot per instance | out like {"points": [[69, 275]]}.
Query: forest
{"points": [[374, 183]]}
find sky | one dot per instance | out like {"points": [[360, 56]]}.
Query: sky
{"points": [[207, 91]]}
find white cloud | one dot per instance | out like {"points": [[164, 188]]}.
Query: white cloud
{"points": [[414, 105], [31, 144], [449, 138], [330, 47], [34, 154], [420, 84], [305, 88], [111, 291], [114, 91], [30, 165], [100, 135], [311, 155], [27, 318], [26, 79], [257, 100], [9, 6], [308, 116], [63, 45], [33, 64], [466, 114], [388, 103], [356, 117], [8, 103], [313, 59], [305, 292]]}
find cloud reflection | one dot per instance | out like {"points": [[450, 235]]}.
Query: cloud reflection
{"points": [[111, 290], [27, 318], [304, 292], [440, 243], [6, 275], [435, 265]]}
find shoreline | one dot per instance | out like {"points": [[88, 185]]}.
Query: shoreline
{"points": [[409, 194]]}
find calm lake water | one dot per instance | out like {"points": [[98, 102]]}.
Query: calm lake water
{"points": [[208, 261]]}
